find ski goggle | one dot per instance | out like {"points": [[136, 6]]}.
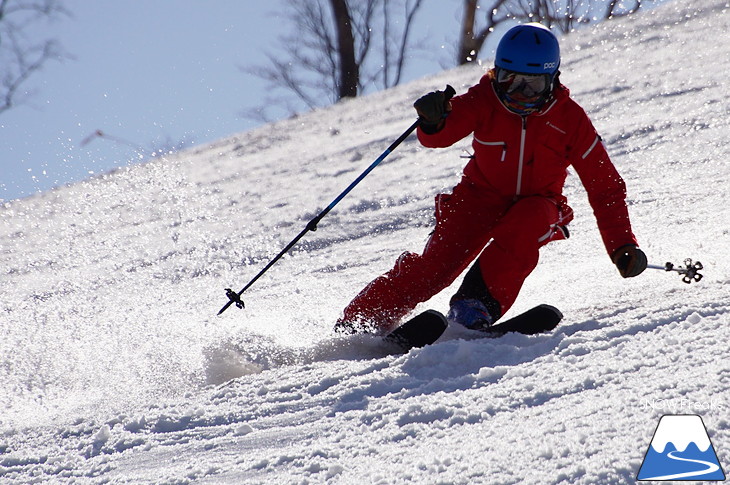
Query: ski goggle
{"points": [[526, 86]]}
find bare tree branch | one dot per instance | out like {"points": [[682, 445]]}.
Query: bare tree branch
{"points": [[612, 9], [563, 15], [338, 49], [20, 58], [410, 14]]}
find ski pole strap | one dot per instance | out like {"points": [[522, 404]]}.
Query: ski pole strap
{"points": [[690, 271]]}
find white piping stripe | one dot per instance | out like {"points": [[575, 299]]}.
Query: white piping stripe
{"points": [[550, 232], [550, 106], [595, 142], [521, 161], [490, 143]]}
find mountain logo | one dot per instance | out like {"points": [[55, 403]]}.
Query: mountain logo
{"points": [[681, 450]]}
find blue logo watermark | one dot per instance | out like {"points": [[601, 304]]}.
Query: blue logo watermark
{"points": [[681, 450]]}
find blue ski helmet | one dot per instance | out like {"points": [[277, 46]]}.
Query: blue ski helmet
{"points": [[530, 49]]}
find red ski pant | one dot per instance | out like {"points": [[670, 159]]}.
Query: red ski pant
{"points": [[471, 220]]}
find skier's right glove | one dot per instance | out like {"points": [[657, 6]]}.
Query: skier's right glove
{"points": [[432, 109], [630, 260]]}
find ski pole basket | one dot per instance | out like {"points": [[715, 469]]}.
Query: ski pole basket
{"points": [[690, 271]]}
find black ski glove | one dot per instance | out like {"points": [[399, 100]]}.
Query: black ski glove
{"points": [[630, 260], [432, 109]]}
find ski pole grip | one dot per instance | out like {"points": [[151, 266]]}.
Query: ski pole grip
{"points": [[449, 92]]}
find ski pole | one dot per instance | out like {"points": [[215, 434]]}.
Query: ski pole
{"points": [[690, 272], [234, 297]]}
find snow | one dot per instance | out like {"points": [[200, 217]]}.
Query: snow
{"points": [[115, 369]]}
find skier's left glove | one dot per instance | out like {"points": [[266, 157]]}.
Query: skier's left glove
{"points": [[630, 260]]}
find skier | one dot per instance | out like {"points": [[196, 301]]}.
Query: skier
{"points": [[527, 131]]}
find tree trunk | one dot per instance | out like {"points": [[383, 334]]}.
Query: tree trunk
{"points": [[467, 41], [349, 74]]}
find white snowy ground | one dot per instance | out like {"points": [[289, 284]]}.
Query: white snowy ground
{"points": [[114, 368]]}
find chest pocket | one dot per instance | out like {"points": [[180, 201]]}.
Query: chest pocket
{"points": [[552, 147], [495, 150]]}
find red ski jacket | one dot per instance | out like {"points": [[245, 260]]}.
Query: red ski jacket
{"points": [[518, 156]]}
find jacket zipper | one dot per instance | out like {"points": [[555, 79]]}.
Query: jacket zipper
{"points": [[521, 160]]}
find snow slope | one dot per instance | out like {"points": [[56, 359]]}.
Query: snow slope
{"points": [[114, 368]]}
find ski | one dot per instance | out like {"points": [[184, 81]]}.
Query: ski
{"points": [[426, 328], [421, 330], [541, 318]]}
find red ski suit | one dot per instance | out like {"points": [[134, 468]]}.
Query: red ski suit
{"points": [[508, 204]]}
